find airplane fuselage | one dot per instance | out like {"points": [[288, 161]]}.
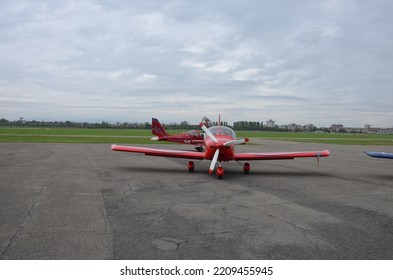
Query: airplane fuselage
{"points": [[223, 134], [184, 138]]}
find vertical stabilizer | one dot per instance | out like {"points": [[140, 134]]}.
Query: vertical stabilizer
{"points": [[157, 129]]}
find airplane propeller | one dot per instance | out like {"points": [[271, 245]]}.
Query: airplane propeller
{"points": [[236, 142], [208, 132], [226, 144], [214, 161]]}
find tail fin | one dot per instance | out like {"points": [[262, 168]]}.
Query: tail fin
{"points": [[157, 129]]}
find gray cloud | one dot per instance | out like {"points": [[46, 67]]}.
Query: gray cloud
{"points": [[292, 61]]}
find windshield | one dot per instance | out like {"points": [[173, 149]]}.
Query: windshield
{"points": [[222, 130]]}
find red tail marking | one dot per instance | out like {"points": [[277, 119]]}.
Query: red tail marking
{"points": [[157, 129]]}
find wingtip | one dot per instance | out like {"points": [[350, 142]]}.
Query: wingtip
{"points": [[367, 153]]}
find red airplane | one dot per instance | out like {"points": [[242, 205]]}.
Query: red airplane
{"points": [[192, 137], [220, 142]]}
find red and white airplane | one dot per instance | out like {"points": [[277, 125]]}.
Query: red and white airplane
{"points": [[192, 137], [219, 142]]}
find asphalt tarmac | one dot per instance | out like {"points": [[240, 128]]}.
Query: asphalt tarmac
{"points": [[84, 201]]}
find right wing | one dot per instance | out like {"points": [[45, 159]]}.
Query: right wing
{"points": [[379, 154], [159, 152], [280, 155]]}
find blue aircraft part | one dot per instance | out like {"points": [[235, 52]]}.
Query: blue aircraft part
{"points": [[379, 154]]}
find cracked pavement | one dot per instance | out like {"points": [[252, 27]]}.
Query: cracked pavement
{"points": [[83, 201]]}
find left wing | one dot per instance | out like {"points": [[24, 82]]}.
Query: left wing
{"points": [[281, 155], [379, 154], [159, 152]]}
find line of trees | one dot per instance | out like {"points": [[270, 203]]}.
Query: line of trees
{"points": [[69, 124], [184, 125], [244, 125]]}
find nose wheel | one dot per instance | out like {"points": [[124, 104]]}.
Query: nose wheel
{"points": [[220, 172], [220, 169]]}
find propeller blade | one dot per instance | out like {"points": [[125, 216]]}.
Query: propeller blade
{"points": [[206, 122], [236, 142], [208, 132], [214, 161]]}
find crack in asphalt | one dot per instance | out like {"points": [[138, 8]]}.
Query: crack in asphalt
{"points": [[26, 219]]}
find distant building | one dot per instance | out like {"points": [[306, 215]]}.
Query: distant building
{"points": [[270, 123], [367, 128], [354, 130]]}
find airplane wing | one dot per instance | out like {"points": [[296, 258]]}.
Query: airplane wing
{"points": [[280, 155], [159, 152], [379, 154]]}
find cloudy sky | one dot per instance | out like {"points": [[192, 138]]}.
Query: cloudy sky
{"points": [[319, 62]]}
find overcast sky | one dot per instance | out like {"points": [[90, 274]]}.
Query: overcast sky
{"points": [[319, 62]]}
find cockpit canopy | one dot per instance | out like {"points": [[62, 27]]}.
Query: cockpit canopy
{"points": [[193, 133], [222, 130]]}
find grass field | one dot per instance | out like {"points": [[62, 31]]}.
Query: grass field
{"points": [[141, 136]]}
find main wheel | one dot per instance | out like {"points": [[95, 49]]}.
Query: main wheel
{"points": [[220, 172], [246, 168], [191, 166]]}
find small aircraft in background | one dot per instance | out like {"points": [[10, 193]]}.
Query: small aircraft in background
{"points": [[219, 142], [192, 137], [379, 154]]}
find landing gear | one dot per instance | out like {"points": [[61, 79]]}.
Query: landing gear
{"points": [[191, 166], [246, 168], [220, 172]]}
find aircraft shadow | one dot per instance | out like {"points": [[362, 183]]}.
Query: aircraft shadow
{"points": [[290, 173], [153, 170], [382, 177], [229, 172]]}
